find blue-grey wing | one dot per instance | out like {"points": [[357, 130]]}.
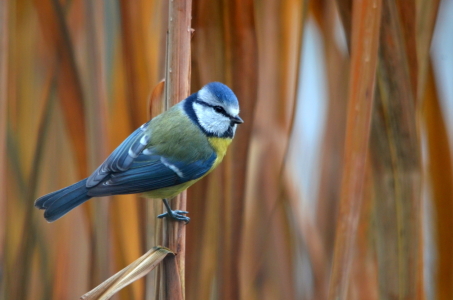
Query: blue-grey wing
{"points": [[152, 172], [122, 157]]}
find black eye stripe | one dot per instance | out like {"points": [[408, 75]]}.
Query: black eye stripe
{"points": [[219, 109], [222, 112]]}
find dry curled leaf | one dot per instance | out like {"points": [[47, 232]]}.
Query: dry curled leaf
{"points": [[126, 276]]}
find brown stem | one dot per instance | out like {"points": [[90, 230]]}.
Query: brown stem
{"points": [[366, 18], [177, 88]]}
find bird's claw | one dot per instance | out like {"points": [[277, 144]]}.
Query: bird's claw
{"points": [[176, 215]]}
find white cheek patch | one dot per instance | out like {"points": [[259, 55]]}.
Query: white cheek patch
{"points": [[211, 121]]}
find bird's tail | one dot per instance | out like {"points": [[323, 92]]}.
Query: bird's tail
{"points": [[59, 203]]}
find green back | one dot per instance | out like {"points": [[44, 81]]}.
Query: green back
{"points": [[176, 136]]}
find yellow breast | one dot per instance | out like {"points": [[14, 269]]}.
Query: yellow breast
{"points": [[220, 146]]}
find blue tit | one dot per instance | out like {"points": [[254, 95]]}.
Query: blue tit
{"points": [[163, 157]]}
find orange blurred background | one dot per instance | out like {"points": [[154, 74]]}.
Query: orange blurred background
{"points": [[338, 185]]}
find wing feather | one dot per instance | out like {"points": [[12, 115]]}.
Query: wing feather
{"points": [[152, 172], [122, 157]]}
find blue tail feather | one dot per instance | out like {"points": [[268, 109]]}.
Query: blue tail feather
{"points": [[59, 203]]}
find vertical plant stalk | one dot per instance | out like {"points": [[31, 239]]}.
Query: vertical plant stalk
{"points": [[19, 276], [97, 109], [406, 11], [440, 174], [133, 50], [334, 134], [345, 10], [366, 18], [4, 37], [241, 56], [396, 162], [56, 33], [177, 88], [153, 226], [426, 12]]}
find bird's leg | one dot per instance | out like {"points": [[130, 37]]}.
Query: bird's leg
{"points": [[176, 215]]}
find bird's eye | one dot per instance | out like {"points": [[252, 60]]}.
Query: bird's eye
{"points": [[219, 109]]}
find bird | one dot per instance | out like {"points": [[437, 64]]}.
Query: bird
{"points": [[161, 158]]}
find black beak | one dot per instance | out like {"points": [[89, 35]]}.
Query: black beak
{"points": [[237, 120]]}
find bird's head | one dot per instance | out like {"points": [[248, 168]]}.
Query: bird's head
{"points": [[216, 108]]}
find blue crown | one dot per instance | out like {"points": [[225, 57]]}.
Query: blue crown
{"points": [[223, 93]]}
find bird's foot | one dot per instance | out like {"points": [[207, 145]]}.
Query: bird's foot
{"points": [[177, 215]]}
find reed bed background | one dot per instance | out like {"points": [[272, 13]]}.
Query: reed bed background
{"points": [[338, 185]]}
